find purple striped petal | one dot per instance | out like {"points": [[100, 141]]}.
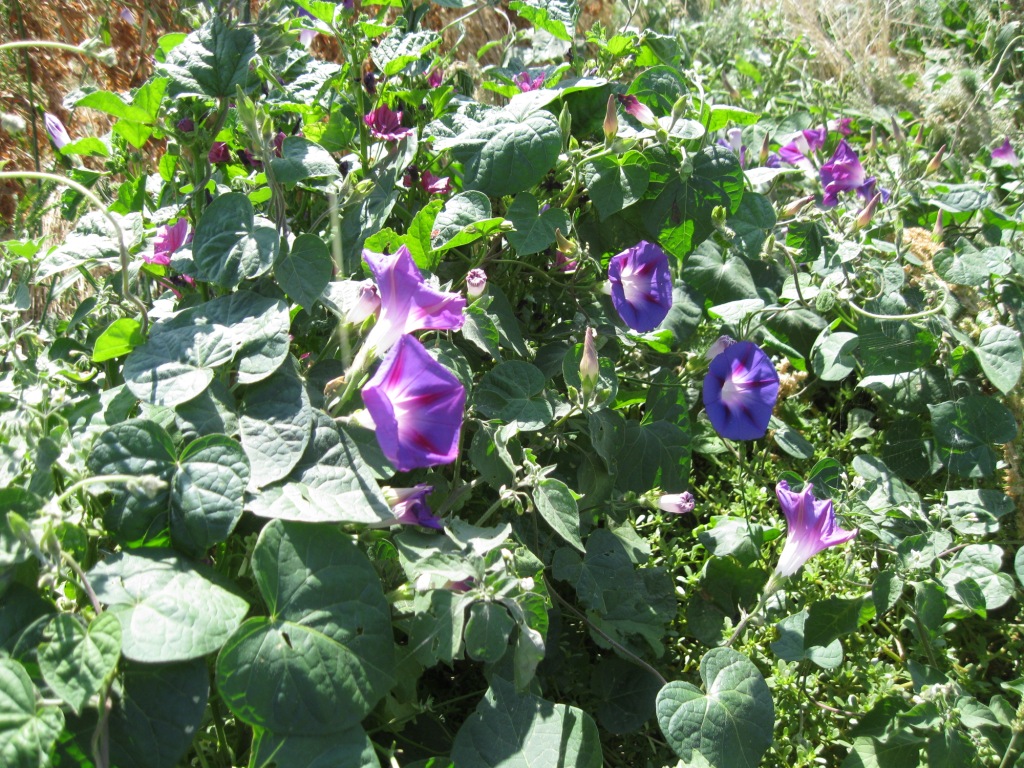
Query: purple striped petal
{"points": [[740, 391]]}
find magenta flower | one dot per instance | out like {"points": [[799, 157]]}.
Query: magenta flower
{"points": [[842, 173], [366, 304], [740, 390], [58, 133], [811, 525], [435, 185], [186, 125], [435, 78], [386, 124], [641, 286], [407, 303], [527, 83], [634, 107], [306, 36], [416, 405], [169, 238], [677, 503], [219, 153], [807, 141], [410, 506], [1003, 155]]}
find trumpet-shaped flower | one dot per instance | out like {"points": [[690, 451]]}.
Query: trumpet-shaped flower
{"points": [[1004, 155], [740, 391], [526, 83], [169, 238], [58, 133], [435, 185], [407, 303], [811, 525], [637, 109], [219, 153], [842, 173], [386, 124], [641, 286], [410, 506], [416, 405]]}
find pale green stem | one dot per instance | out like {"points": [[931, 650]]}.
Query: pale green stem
{"points": [[769, 589], [53, 44]]}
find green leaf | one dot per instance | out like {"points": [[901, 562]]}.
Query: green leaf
{"points": [[465, 218], [983, 564], [614, 183], [533, 231], [211, 62], [971, 267], [888, 346], [27, 731], [966, 429], [791, 645], [120, 337], [233, 244], [834, 617], [170, 609], [275, 420], [897, 750], [331, 483], [305, 270], [557, 506], [1000, 355], [90, 145], [506, 154], [487, 631], [557, 17], [112, 104], [303, 159], [722, 114], [207, 493], [76, 660], [653, 454], [752, 223], [397, 51], [730, 725], [178, 362], [514, 730], [324, 656], [977, 512], [626, 694], [348, 748], [513, 391]]}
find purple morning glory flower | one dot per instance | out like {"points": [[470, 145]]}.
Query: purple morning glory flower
{"points": [[416, 405], [169, 238], [526, 83], [1004, 155], [386, 124], [842, 173], [407, 303], [368, 303], [219, 153], [677, 503], [740, 391], [435, 78], [435, 185], [812, 527], [641, 286], [807, 141], [58, 133], [410, 506], [634, 107]]}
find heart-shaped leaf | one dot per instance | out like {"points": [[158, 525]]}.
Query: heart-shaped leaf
{"points": [[730, 725], [76, 660], [27, 731], [232, 243], [534, 229]]}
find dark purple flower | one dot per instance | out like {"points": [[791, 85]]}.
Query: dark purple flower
{"points": [[58, 133], [416, 405], [279, 143], [248, 158], [740, 390], [219, 153], [435, 185], [634, 107], [811, 525], [677, 503], [527, 83], [435, 78], [842, 173], [386, 124], [186, 125], [867, 189], [410, 506], [169, 238], [407, 303], [1003, 155], [641, 286]]}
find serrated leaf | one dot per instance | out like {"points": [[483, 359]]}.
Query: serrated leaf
{"points": [[730, 725], [211, 62], [170, 609], [397, 51], [76, 660], [557, 17]]}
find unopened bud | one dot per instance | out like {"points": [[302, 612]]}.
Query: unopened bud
{"points": [[590, 367], [566, 247], [367, 303], [721, 344], [476, 283], [935, 162], [765, 149], [677, 503], [937, 229], [864, 217], [796, 206], [872, 144], [611, 121], [897, 133], [825, 300]]}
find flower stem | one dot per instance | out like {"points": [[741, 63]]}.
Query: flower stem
{"points": [[773, 585]]}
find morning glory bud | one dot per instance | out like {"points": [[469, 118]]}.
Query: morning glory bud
{"points": [[476, 283], [935, 162], [590, 368], [611, 121]]}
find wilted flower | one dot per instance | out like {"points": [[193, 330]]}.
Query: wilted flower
{"points": [[1004, 155], [410, 506], [435, 78], [407, 303], [219, 153], [306, 36], [640, 111], [740, 390], [677, 503], [476, 283], [811, 525], [527, 83], [641, 286], [842, 173], [435, 185], [843, 126], [416, 405], [58, 133], [386, 124], [590, 366], [719, 346], [169, 238], [367, 303]]}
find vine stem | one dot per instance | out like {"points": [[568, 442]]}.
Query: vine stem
{"points": [[618, 646], [89, 195], [769, 589], [98, 55]]}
